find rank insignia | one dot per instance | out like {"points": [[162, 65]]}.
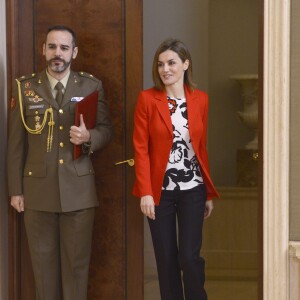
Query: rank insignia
{"points": [[12, 103], [35, 99], [29, 93], [27, 85], [37, 122]]}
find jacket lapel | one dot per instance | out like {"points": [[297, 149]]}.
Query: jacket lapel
{"points": [[163, 109], [72, 88], [192, 109]]}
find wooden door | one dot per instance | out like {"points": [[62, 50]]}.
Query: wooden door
{"points": [[109, 37]]}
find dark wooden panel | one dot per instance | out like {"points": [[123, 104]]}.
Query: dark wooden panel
{"points": [[99, 25], [20, 61], [19, 38], [134, 83]]}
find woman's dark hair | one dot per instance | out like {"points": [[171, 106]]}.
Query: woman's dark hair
{"points": [[63, 28], [183, 53]]}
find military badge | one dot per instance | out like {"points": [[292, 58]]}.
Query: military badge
{"points": [[35, 99], [76, 99], [27, 85], [29, 93], [38, 106], [12, 103]]}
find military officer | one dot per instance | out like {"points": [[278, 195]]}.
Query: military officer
{"points": [[56, 193]]}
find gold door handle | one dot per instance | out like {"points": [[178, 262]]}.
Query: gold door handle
{"points": [[255, 156], [130, 162]]}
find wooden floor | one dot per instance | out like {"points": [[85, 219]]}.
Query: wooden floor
{"points": [[216, 290]]}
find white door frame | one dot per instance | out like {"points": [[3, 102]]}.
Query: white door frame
{"points": [[276, 149]]}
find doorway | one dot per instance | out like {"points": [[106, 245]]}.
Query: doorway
{"points": [[109, 39], [225, 53]]}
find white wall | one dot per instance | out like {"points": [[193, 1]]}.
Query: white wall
{"points": [[3, 193], [186, 20]]}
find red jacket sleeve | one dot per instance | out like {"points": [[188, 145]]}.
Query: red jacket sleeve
{"points": [[141, 148]]}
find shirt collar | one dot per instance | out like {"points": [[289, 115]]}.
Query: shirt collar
{"points": [[54, 81]]}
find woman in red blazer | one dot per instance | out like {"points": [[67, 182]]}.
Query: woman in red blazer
{"points": [[172, 172]]}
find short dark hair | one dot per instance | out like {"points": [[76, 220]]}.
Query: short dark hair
{"points": [[181, 49], [63, 28]]}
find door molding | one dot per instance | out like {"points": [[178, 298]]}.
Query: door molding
{"points": [[276, 149], [3, 128]]}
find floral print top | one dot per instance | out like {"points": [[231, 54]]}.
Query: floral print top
{"points": [[183, 170]]}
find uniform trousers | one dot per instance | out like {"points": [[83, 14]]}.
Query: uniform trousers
{"points": [[179, 253], [60, 248]]}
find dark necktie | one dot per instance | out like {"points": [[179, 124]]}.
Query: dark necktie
{"points": [[59, 96]]}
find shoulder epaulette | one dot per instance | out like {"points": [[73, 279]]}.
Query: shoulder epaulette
{"points": [[26, 77], [87, 75]]}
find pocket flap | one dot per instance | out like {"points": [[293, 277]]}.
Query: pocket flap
{"points": [[84, 166]]}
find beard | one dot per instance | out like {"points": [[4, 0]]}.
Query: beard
{"points": [[54, 64]]}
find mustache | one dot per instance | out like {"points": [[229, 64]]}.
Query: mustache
{"points": [[57, 58]]}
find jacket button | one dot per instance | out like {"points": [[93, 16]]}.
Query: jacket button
{"points": [[61, 161], [61, 127], [29, 173], [61, 111], [61, 144]]}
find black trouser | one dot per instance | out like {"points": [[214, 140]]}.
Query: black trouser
{"points": [[172, 257]]}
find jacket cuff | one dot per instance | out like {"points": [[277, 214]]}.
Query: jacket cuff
{"points": [[86, 148]]}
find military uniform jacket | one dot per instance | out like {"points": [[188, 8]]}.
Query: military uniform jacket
{"points": [[53, 181]]}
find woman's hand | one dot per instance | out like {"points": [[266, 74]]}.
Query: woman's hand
{"points": [[209, 206], [147, 206]]}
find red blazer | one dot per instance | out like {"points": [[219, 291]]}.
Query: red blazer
{"points": [[153, 139]]}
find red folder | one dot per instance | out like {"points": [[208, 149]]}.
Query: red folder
{"points": [[88, 108]]}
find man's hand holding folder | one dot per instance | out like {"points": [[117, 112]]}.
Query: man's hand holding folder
{"points": [[87, 107]]}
